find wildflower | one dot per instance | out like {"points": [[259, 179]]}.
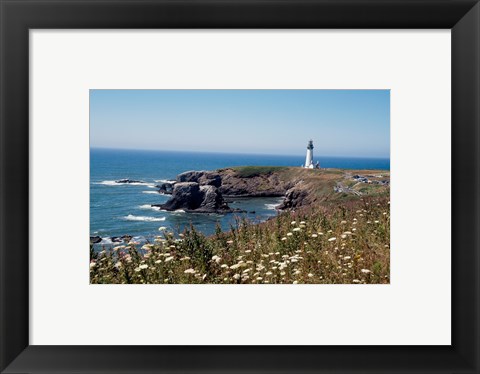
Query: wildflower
{"points": [[297, 229], [186, 258], [310, 275], [320, 233], [190, 271], [314, 235], [343, 222], [236, 266], [224, 266], [332, 239], [92, 265], [172, 246], [284, 238], [365, 271], [143, 266], [302, 226], [119, 247], [248, 251], [118, 265], [289, 234], [158, 261], [343, 236], [216, 258], [162, 228], [295, 282], [181, 235], [259, 278], [168, 259], [268, 273], [347, 258], [377, 221], [147, 247], [246, 271], [236, 276], [356, 281], [229, 241], [347, 233], [293, 223], [384, 213]]}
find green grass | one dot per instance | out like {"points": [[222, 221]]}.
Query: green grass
{"points": [[333, 243], [253, 171]]}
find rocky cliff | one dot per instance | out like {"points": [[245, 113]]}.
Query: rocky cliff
{"points": [[205, 191]]}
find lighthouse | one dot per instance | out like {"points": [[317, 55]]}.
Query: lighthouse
{"points": [[309, 158]]}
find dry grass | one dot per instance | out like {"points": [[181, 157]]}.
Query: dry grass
{"points": [[330, 243]]}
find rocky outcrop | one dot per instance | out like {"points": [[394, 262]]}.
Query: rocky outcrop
{"points": [[95, 239], [127, 181], [165, 188], [193, 197], [208, 178], [262, 185], [205, 191], [295, 197]]}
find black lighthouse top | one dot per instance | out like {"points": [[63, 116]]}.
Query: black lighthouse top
{"points": [[310, 144]]}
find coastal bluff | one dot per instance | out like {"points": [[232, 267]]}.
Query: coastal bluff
{"points": [[209, 191]]}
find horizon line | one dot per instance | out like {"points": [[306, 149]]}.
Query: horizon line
{"points": [[231, 153]]}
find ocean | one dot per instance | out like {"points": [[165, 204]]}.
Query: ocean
{"points": [[124, 209]]}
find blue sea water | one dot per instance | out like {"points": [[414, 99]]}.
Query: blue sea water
{"points": [[119, 209]]}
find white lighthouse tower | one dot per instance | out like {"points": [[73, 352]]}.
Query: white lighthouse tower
{"points": [[309, 158]]}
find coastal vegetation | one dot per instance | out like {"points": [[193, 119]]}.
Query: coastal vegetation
{"points": [[342, 236]]}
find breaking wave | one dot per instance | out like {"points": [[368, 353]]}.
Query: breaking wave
{"points": [[144, 218], [114, 183], [272, 206], [148, 206]]}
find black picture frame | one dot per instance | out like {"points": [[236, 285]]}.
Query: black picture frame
{"points": [[17, 17]]}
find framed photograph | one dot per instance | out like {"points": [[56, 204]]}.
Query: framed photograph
{"points": [[239, 186]]}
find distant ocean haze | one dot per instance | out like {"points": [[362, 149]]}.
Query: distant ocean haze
{"points": [[125, 209]]}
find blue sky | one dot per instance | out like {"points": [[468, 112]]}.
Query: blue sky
{"points": [[350, 123]]}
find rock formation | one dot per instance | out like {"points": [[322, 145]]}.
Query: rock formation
{"points": [[193, 197]]}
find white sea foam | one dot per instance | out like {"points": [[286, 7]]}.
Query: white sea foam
{"points": [[179, 211], [106, 241], [164, 181], [144, 218], [151, 192], [272, 206], [107, 183], [114, 183], [148, 206]]}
